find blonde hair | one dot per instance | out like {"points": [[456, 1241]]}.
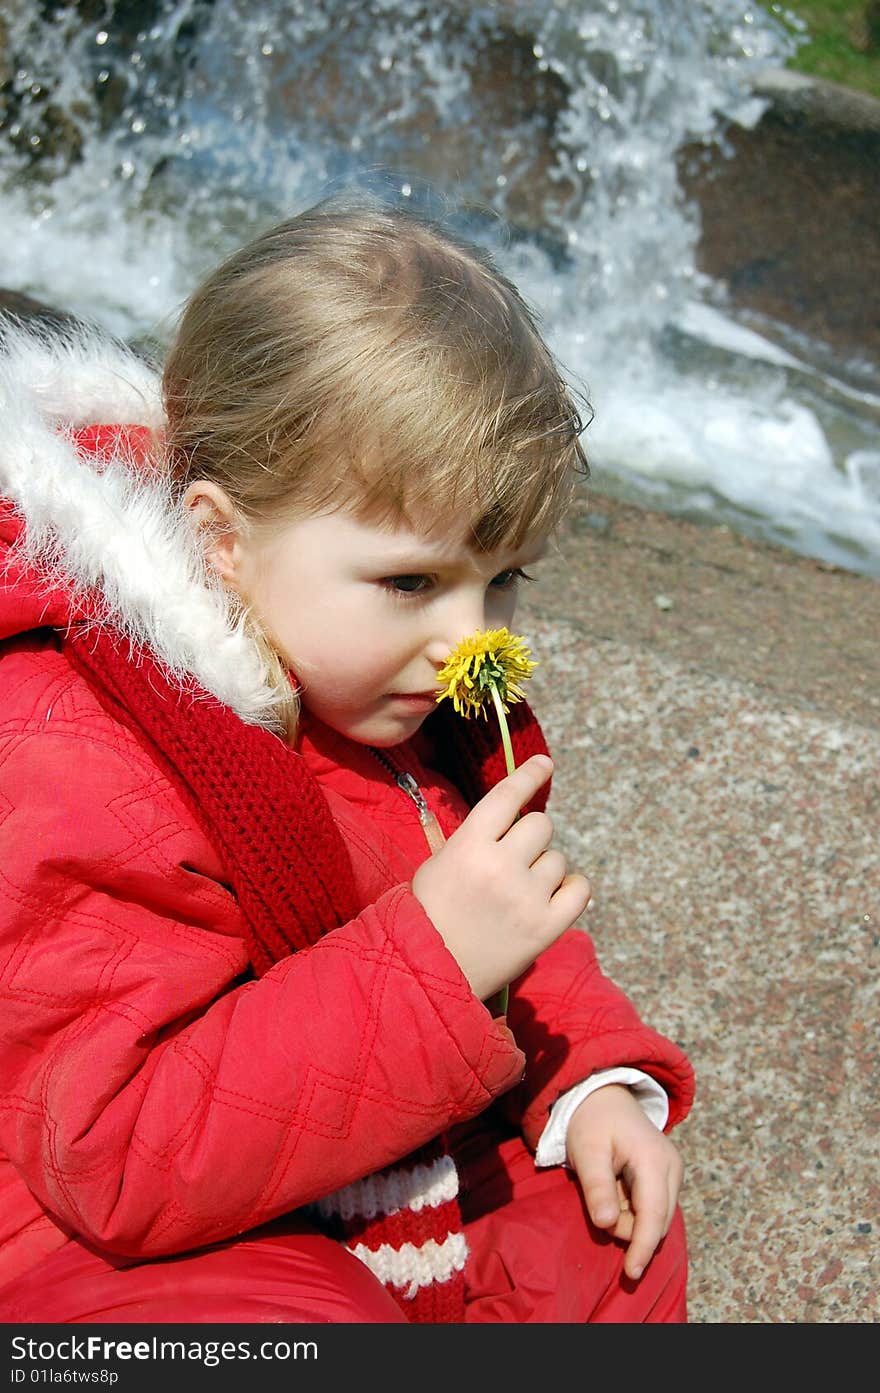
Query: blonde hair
{"points": [[363, 358]]}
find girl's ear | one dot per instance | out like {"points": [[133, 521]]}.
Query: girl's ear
{"points": [[217, 524]]}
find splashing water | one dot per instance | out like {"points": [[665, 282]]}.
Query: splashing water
{"points": [[138, 149]]}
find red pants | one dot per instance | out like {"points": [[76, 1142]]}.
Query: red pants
{"points": [[535, 1257]]}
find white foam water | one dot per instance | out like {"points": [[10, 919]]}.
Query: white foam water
{"points": [[183, 131]]}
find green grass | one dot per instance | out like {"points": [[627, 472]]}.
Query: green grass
{"points": [[842, 41]]}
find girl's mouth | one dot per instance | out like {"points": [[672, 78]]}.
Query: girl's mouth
{"points": [[422, 701]]}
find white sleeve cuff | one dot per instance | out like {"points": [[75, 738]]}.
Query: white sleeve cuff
{"points": [[647, 1091]]}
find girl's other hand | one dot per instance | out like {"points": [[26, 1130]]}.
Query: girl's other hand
{"points": [[496, 892], [630, 1173]]}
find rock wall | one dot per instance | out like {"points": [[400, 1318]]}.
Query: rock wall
{"points": [[789, 210], [791, 215]]}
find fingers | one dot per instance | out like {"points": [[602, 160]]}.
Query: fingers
{"points": [[497, 810], [600, 1189], [567, 895], [622, 1230], [649, 1226], [652, 1207], [572, 897], [639, 1218], [530, 839], [641, 1229]]}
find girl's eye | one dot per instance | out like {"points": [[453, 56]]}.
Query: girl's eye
{"points": [[505, 580], [404, 586]]}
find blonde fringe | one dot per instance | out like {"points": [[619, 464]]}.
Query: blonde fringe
{"points": [[359, 356]]}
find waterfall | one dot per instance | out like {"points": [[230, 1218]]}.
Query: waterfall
{"points": [[139, 146]]}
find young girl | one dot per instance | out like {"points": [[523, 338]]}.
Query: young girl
{"points": [[259, 888]]}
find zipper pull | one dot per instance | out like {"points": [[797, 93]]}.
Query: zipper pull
{"points": [[432, 829]]}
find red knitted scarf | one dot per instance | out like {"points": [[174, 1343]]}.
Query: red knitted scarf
{"points": [[286, 861]]}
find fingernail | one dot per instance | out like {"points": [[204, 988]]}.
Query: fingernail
{"points": [[603, 1217], [636, 1273]]}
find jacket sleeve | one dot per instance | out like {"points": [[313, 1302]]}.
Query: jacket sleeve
{"points": [[571, 1020], [155, 1096]]}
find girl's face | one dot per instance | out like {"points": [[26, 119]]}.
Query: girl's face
{"points": [[366, 615]]}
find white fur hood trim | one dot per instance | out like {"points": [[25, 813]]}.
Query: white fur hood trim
{"points": [[113, 530]]}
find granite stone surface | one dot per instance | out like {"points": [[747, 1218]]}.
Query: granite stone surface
{"points": [[713, 706]]}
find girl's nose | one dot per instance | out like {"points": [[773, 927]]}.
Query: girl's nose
{"points": [[457, 621]]}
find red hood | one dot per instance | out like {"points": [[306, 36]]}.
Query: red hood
{"points": [[31, 598], [89, 530], [28, 600]]}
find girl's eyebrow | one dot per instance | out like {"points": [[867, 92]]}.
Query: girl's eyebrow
{"points": [[538, 554], [410, 561], [408, 552]]}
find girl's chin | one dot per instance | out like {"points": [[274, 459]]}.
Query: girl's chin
{"points": [[392, 732], [382, 729]]}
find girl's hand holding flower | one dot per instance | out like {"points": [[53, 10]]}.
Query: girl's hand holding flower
{"points": [[496, 892]]}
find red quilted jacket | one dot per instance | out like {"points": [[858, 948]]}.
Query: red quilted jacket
{"points": [[153, 1100]]}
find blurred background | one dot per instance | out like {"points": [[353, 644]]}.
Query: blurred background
{"points": [[697, 232]]}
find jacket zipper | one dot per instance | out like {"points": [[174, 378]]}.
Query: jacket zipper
{"points": [[405, 781]]}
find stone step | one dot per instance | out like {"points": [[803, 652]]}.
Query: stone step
{"points": [[713, 705]]}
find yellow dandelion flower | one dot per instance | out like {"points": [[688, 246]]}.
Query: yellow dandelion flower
{"points": [[488, 664]]}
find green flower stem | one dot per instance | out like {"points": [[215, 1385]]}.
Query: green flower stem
{"points": [[502, 996], [505, 733]]}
